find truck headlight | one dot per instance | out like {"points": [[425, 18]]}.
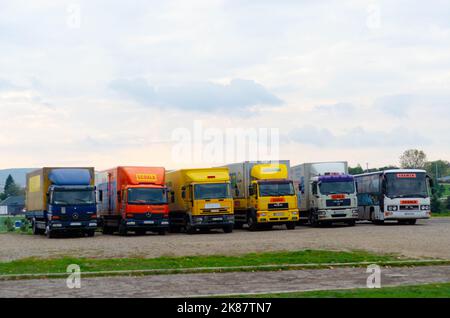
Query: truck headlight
{"points": [[425, 207], [392, 208]]}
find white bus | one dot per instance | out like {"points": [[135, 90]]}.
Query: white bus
{"points": [[401, 195]]}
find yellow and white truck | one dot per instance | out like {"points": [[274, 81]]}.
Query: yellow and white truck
{"points": [[263, 194], [200, 199]]}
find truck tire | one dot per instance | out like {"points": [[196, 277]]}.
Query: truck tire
{"points": [[228, 229], [313, 219], [188, 226], [107, 230], [290, 226], [35, 229], [90, 233], [251, 221], [123, 231], [49, 233]]}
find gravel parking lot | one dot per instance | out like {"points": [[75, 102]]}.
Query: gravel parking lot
{"points": [[429, 238]]}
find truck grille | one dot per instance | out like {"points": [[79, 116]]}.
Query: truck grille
{"points": [[148, 216], [344, 202], [220, 210], [278, 206]]}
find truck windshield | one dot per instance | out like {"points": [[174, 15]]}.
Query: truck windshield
{"points": [[327, 188], [407, 185], [147, 196], [274, 189], [212, 191], [73, 197]]}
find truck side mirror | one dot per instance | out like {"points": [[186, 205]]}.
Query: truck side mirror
{"points": [[183, 192], [172, 196], [100, 195], [250, 190]]}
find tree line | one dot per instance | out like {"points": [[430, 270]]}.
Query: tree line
{"points": [[11, 189]]}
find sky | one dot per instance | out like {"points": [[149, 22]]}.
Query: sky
{"points": [[107, 83]]}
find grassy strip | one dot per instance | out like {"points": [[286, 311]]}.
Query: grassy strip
{"points": [[418, 291], [445, 213], [59, 265]]}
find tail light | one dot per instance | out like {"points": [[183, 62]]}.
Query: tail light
{"points": [[93, 216], [56, 217]]}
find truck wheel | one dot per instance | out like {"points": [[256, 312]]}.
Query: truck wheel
{"points": [[90, 233], [251, 221], [49, 233], [313, 220], [228, 229], [107, 230], [290, 226], [123, 231], [188, 227], [35, 229]]}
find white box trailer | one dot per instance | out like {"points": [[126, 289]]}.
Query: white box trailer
{"points": [[326, 192]]}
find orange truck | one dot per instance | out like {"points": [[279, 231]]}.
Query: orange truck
{"points": [[132, 199]]}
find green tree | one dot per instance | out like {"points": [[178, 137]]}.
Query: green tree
{"points": [[413, 159], [356, 170], [438, 169], [11, 188]]}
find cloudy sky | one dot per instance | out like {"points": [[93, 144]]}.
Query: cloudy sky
{"points": [[108, 83]]}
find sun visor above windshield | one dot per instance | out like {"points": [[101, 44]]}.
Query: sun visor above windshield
{"points": [[70, 177]]}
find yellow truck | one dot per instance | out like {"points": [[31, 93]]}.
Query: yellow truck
{"points": [[200, 199], [263, 194]]}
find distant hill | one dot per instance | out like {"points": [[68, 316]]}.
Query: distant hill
{"points": [[18, 175]]}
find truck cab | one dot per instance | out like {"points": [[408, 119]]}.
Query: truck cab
{"points": [[200, 199], [133, 199], [272, 199], [333, 199], [61, 200]]}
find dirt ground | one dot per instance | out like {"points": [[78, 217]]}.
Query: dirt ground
{"points": [[429, 238]]}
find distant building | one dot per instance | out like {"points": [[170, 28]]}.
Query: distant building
{"points": [[12, 205]]}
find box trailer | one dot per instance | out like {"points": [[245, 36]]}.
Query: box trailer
{"points": [[263, 194], [326, 192], [61, 200], [132, 199], [200, 199]]}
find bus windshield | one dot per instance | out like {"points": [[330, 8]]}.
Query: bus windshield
{"points": [[209, 191], [73, 197], [407, 185], [327, 188], [147, 196], [274, 189]]}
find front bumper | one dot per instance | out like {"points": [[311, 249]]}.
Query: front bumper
{"points": [[337, 215], [212, 221], [73, 225], [281, 216], [157, 224], [407, 215]]}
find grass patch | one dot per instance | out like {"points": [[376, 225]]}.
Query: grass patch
{"points": [[445, 213], [418, 291], [59, 265], [2, 221]]}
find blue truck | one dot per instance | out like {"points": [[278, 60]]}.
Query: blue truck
{"points": [[61, 200]]}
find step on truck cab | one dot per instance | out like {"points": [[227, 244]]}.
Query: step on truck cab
{"points": [[200, 199], [61, 200], [132, 199], [326, 192], [263, 194]]}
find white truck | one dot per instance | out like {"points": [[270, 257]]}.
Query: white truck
{"points": [[326, 193]]}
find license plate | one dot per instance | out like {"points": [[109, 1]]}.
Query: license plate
{"points": [[212, 206], [410, 213], [217, 219], [215, 210], [149, 222], [278, 214], [75, 224]]}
